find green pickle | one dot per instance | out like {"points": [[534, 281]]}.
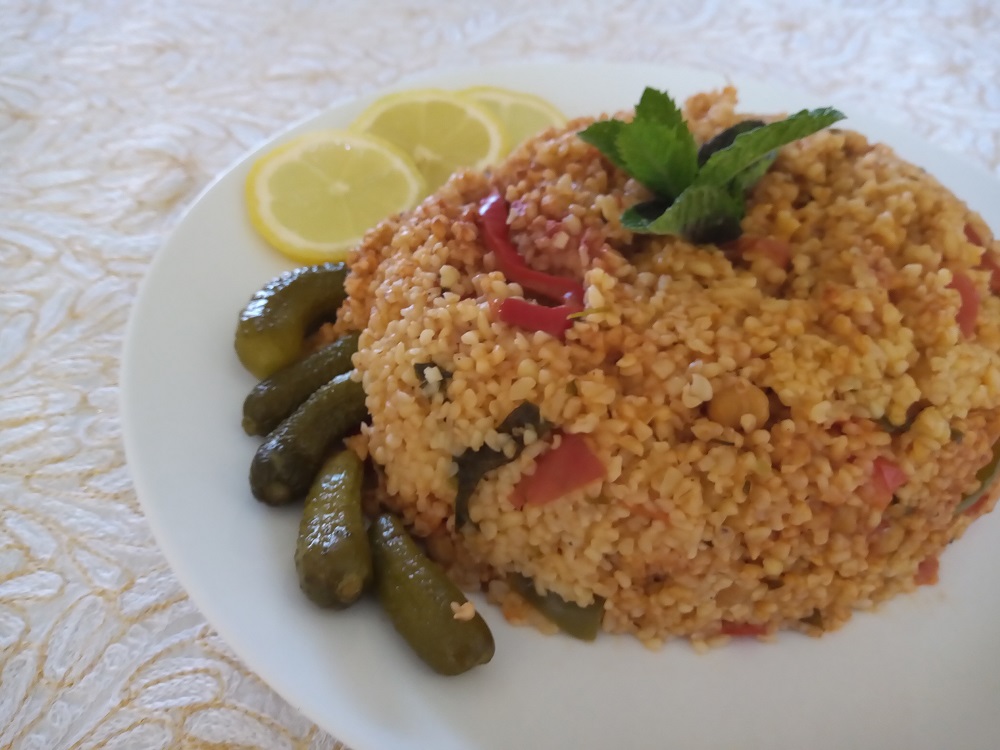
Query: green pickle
{"points": [[275, 321], [286, 463], [417, 595], [332, 555], [274, 398]]}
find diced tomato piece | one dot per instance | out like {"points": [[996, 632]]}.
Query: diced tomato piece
{"points": [[558, 472], [927, 572], [968, 311], [777, 251], [742, 628], [887, 477], [973, 236]]}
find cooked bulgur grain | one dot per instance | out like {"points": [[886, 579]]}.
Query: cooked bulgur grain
{"points": [[464, 611], [787, 424]]}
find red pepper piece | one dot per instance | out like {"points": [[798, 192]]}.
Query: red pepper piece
{"points": [[992, 264], [973, 236], [493, 212], [531, 316], [742, 628], [558, 472], [927, 571], [968, 311]]}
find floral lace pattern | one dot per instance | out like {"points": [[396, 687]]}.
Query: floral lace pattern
{"points": [[114, 116]]}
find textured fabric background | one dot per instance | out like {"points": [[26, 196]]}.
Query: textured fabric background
{"points": [[115, 114]]}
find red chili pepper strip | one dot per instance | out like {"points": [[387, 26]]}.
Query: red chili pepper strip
{"points": [[991, 263], [493, 212], [531, 316], [973, 236], [968, 310]]}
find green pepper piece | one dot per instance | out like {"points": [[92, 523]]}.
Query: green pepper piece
{"points": [[473, 465], [572, 619], [986, 475]]}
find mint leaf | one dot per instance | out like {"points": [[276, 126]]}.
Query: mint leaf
{"points": [[725, 138], [702, 213], [603, 135], [662, 157], [747, 148], [750, 176], [657, 106], [641, 215]]}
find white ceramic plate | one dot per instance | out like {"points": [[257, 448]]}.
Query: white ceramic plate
{"points": [[921, 673]]}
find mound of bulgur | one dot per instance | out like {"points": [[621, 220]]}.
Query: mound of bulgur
{"points": [[743, 403]]}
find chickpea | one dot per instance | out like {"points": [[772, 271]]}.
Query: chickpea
{"points": [[734, 399]]}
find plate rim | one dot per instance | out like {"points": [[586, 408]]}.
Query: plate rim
{"points": [[152, 510]]}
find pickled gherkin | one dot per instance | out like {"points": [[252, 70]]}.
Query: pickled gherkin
{"points": [[332, 555], [274, 323], [274, 398], [417, 595], [286, 463]]}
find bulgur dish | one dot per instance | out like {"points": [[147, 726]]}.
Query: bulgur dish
{"points": [[727, 439]]}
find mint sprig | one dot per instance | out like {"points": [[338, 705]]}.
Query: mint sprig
{"points": [[603, 135], [659, 156], [700, 214], [658, 106], [700, 194], [747, 148]]}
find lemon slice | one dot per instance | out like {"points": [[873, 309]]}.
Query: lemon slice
{"points": [[523, 115], [314, 197], [440, 131]]}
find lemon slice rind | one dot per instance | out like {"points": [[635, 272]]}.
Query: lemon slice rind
{"points": [[522, 115], [388, 160], [440, 130]]}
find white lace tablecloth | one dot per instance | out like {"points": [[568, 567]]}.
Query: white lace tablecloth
{"points": [[113, 116]]}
